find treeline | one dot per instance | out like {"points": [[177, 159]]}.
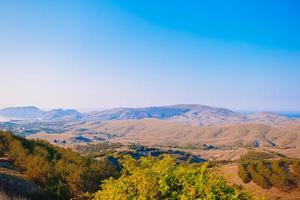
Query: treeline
{"points": [[255, 155], [162, 178], [98, 150], [268, 171], [60, 173]]}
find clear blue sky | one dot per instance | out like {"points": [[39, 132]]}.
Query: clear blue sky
{"points": [[244, 55]]}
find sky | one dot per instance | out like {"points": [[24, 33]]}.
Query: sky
{"points": [[88, 54]]}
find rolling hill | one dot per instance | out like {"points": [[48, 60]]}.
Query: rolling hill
{"points": [[190, 114], [187, 114], [177, 125], [33, 113], [166, 133], [26, 112]]}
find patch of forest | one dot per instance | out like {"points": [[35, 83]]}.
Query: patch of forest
{"points": [[139, 151], [60, 173], [270, 170], [99, 149], [164, 178]]}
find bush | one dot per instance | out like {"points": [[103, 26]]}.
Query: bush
{"points": [[244, 173], [155, 178], [61, 173], [268, 173], [261, 181], [255, 155], [296, 166]]}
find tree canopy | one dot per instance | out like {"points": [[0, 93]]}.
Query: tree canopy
{"points": [[61, 173], [163, 178], [267, 171]]}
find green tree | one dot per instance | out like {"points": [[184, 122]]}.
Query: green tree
{"points": [[243, 172], [61, 173], [153, 178]]}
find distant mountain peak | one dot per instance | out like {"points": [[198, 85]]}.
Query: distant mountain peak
{"points": [[25, 112], [61, 114], [34, 113], [21, 108]]}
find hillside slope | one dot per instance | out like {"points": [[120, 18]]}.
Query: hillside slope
{"points": [[160, 132], [166, 133], [191, 114], [33, 113]]}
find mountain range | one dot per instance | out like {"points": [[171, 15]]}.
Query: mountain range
{"points": [[185, 124], [190, 114], [34, 113]]}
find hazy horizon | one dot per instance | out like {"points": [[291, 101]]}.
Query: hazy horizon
{"points": [[86, 110], [106, 54]]}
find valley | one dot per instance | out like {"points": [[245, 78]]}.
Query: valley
{"points": [[197, 127], [188, 133]]}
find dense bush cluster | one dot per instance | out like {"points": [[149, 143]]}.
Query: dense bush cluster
{"points": [[255, 155], [163, 178], [268, 173], [98, 150], [296, 170], [61, 173]]}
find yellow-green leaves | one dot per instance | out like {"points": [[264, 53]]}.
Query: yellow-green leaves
{"points": [[163, 178]]}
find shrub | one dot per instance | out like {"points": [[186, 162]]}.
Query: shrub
{"points": [[243, 172], [61, 173], [296, 166], [268, 173], [255, 155], [155, 178], [261, 181]]}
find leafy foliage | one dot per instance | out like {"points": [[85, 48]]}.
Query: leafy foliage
{"points": [[98, 150], [258, 167], [296, 166], [61, 173], [163, 178], [138, 151], [254, 155]]}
